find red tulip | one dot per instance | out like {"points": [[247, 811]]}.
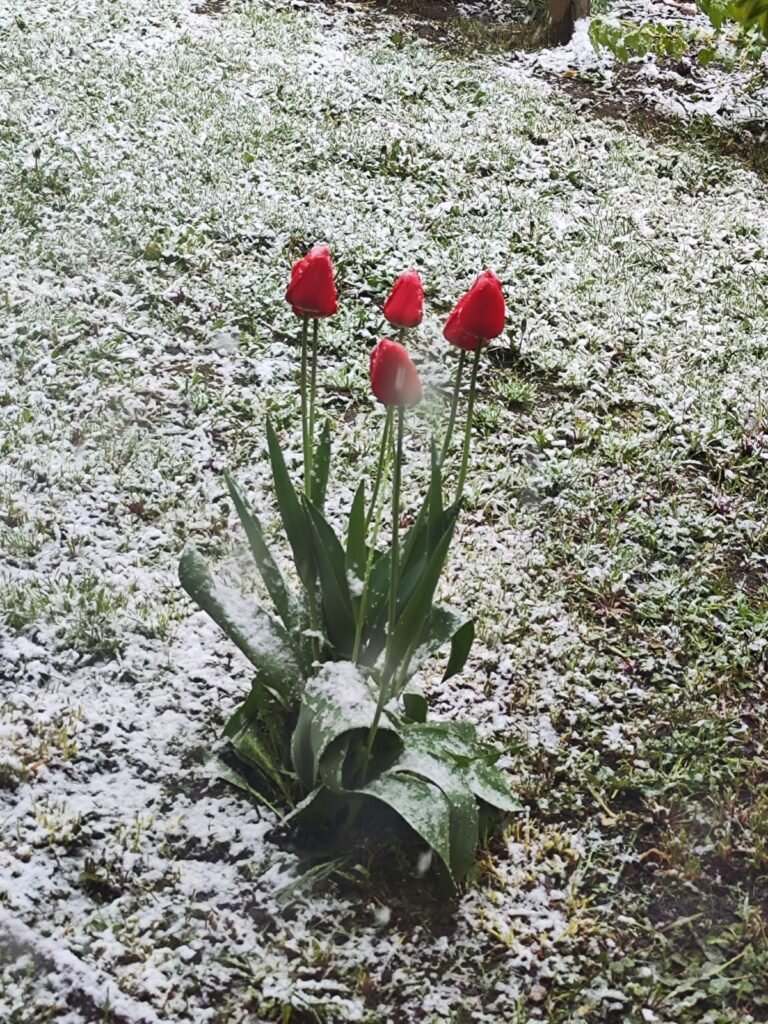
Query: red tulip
{"points": [[479, 315], [394, 378], [405, 305], [312, 290]]}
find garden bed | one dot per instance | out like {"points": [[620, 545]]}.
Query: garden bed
{"points": [[160, 171]]}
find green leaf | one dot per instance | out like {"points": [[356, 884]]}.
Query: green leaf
{"points": [[252, 750], [285, 603], [421, 805], [339, 619], [443, 625], [411, 621], [291, 513], [418, 759], [356, 556], [321, 465], [489, 785], [336, 701], [434, 502], [457, 742], [320, 809], [260, 702], [234, 777], [414, 702], [261, 638], [461, 645]]}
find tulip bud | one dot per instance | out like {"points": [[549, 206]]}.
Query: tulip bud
{"points": [[312, 291], [405, 305], [479, 315], [394, 378]]}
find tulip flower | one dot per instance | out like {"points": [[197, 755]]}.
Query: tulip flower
{"points": [[478, 316], [312, 294], [405, 306], [394, 378], [312, 291]]}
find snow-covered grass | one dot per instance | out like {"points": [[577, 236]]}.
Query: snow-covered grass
{"points": [[159, 171]]}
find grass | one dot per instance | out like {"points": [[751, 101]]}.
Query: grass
{"points": [[613, 546]]}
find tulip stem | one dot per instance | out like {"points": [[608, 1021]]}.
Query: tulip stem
{"points": [[312, 397], [468, 428], [304, 405], [394, 566], [383, 457], [378, 507], [454, 406], [394, 572]]}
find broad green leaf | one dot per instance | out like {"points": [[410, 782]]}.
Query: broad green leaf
{"points": [[331, 767], [285, 603], [457, 742], [418, 759], [321, 464], [260, 637], [336, 701], [421, 805], [329, 557], [291, 512], [488, 784], [378, 589]]}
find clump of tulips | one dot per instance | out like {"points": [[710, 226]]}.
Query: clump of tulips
{"points": [[335, 725]]}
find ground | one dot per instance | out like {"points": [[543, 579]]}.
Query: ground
{"points": [[160, 169]]}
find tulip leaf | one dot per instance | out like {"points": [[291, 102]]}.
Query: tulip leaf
{"points": [[414, 702], [489, 785], [464, 823], [458, 743], [357, 551], [285, 603], [235, 778], [261, 702], [408, 629], [461, 644], [321, 809], [336, 701], [334, 585], [443, 625], [434, 502], [259, 636], [321, 465], [291, 512], [422, 806]]}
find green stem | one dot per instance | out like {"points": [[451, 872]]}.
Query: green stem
{"points": [[304, 413], [381, 473], [383, 457], [394, 572], [394, 569], [454, 406], [312, 398], [468, 428]]}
